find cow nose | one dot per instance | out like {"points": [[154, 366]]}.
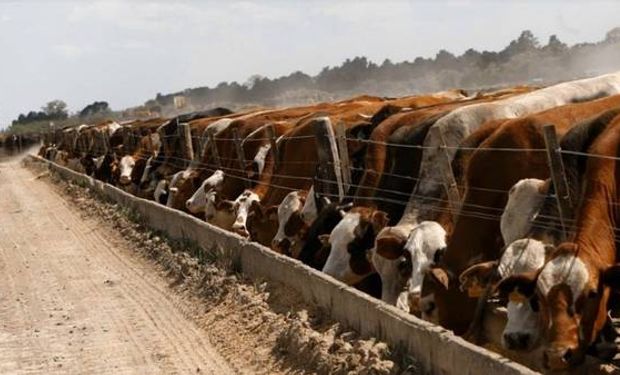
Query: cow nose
{"points": [[125, 180], [558, 358], [240, 230], [516, 340], [188, 204]]}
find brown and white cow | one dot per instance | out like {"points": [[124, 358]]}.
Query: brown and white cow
{"points": [[297, 162], [464, 120], [572, 288], [293, 224], [476, 235]]}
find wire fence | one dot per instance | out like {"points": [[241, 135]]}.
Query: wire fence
{"points": [[291, 182]]}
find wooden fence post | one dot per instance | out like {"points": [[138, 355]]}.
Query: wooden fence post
{"points": [[329, 162], [558, 177], [185, 140], [214, 153], [343, 151], [275, 153], [240, 157], [445, 168]]}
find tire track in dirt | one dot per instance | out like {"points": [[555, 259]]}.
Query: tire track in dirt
{"points": [[73, 302]]}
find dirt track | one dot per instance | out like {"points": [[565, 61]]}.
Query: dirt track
{"points": [[74, 302]]}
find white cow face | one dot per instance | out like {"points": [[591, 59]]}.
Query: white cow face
{"points": [[522, 331], [524, 200], [425, 244], [401, 256], [350, 241], [291, 225], [198, 202], [242, 208], [393, 265], [173, 188], [524, 256], [219, 212], [126, 167]]}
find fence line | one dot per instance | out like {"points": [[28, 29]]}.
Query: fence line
{"points": [[440, 205]]}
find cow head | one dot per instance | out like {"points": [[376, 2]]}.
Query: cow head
{"points": [[218, 211], [315, 249], [181, 187], [403, 257], [198, 201], [161, 192], [524, 256], [126, 166], [185, 184], [241, 207], [262, 223], [571, 292], [524, 201], [350, 241], [291, 224], [88, 163], [254, 168]]}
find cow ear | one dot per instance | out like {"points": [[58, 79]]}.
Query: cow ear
{"points": [[518, 288], [390, 246], [324, 238], [439, 276], [379, 220], [474, 279], [611, 276]]}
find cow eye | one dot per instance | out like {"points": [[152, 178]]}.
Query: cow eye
{"points": [[570, 310], [404, 265]]}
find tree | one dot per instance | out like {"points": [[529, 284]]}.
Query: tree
{"points": [[95, 109], [555, 46], [55, 109], [613, 36]]}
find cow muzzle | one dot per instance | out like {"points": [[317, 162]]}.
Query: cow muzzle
{"points": [[124, 180], [240, 229]]}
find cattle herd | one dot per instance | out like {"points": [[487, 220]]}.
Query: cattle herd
{"points": [[433, 203]]}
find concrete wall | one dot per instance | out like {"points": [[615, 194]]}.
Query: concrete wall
{"points": [[438, 350]]}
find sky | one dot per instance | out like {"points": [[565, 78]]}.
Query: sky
{"points": [[125, 52]]}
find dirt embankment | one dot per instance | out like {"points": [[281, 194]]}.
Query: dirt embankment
{"points": [[257, 327]]}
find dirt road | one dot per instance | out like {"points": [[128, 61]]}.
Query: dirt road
{"points": [[72, 301]]}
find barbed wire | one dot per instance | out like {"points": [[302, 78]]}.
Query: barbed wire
{"points": [[440, 206]]}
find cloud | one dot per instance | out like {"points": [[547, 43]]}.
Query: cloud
{"points": [[5, 18], [68, 51]]}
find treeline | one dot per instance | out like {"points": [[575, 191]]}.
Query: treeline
{"points": [[524, 60], [55, 113], [52, 111]]}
